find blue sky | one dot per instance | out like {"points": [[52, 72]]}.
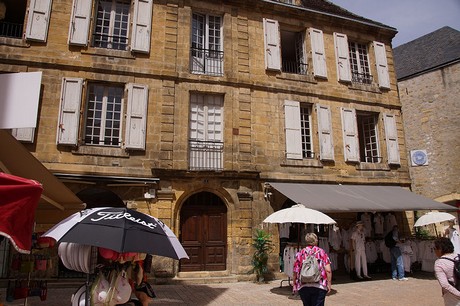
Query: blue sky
{"points": [[412, 18]]}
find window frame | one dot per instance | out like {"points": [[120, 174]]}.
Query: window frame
{"points": [[359, 62], [366, 143]]}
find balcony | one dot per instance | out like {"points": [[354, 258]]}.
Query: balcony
{"points": [[11, 30], [204, 61], [363, 78], [114, 42], [206, 155], [294, 67]]}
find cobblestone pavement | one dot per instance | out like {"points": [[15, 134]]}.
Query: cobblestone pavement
{"points": [[420, 290]]}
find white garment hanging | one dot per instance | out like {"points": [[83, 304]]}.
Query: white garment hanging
{"points": [[378, 224]]}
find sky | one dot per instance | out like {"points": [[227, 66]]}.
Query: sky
{"points": [[412, 18]]}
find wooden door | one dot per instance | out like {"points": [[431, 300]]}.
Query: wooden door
{"points": [[204, 233]]}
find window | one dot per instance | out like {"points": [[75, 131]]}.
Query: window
{"points": [[206, 53], [111, 24], [293, 58], [359, 63], [297, 118], [104, 110], [368, 138], [12, 18], [206, 127], [114, 27], [305, 131]]}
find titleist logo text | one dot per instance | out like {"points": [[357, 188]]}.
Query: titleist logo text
{"points": [[107, 215]]}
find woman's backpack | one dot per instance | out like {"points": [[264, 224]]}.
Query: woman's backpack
{"points": [[456, 273], [310, 271]]}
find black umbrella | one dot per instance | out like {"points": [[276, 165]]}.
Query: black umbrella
{"points": [[119, 229]]}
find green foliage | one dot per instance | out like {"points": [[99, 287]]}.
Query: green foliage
{"points": [[422, 233], [263, 247]]}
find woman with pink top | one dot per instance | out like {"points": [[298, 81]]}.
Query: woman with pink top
{"points": [[444, 271]]}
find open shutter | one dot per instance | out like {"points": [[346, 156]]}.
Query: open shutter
{"points": [[142, 24], [38, 20], [69, 111], [79, 22], [136, 116], [350, 135], [272, 44], [24, 134], [342, 57], [381, 63], [293, 130], [318, 54], [391, 136], [326, 145]]}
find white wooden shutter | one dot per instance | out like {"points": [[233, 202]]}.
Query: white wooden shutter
{"points": [[142, 24], [381, 64], [24, 134], [350, 135], [79, 22], [69, 111], [136, 116], [318, 54], [38, 20], [293, 129], [342, 57], [326, 145], [391, 136], [272, 44]]}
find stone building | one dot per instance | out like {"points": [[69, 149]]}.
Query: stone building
{"points": [[428, 72], [188, 110]]}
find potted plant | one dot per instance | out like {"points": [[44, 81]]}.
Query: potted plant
{"points": [[263, 246]]}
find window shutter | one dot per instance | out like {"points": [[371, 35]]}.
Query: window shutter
{"points": [[326, 145], [342, 57], [272, 45], [142, 24], [391, 135], [69, 112], [79, 22], [38, 20], [350, 135], [24, 134], [293, 129], [381, 63], [136, 116], [318, 54]]}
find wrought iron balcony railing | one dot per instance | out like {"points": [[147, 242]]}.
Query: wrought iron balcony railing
{"points": [[110, 41], [293, 67], [206, 155], [206, 61], [372, 159], [363, 78], [12, 30]]}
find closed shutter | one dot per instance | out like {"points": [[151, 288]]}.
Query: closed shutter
{"points": [[24, 134], [326, 145], [350, 135], [79, 22], [142, 24], [318, 54], [391, 135], [38, 20], [69, 111], [342, 57], [272, 45], [381, 63], [136, 116], [293, 129]]}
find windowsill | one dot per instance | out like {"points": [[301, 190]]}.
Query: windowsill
{"points": [[372, 166], [310, 163], [15, 42], [297, 77], [365, 87], [108, 52], [100, 151]]}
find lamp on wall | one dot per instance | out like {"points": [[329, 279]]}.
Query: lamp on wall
{"points": [[150, 194], [267, 192]]}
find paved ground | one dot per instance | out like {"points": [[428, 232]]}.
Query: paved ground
{"points": [[421, 290]]}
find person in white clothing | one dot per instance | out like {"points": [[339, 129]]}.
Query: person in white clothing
{"points": [[358, 246], [452, 233]]}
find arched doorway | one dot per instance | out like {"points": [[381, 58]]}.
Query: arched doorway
{"points": [[203, 225]]}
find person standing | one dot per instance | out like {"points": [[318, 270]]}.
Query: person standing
{"points": [[313, 294], [444, 270], [452, 233], [397, 263], [358, 247]]}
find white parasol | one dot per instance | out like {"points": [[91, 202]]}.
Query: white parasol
{"points": [[433, 217], [299, 214]]}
